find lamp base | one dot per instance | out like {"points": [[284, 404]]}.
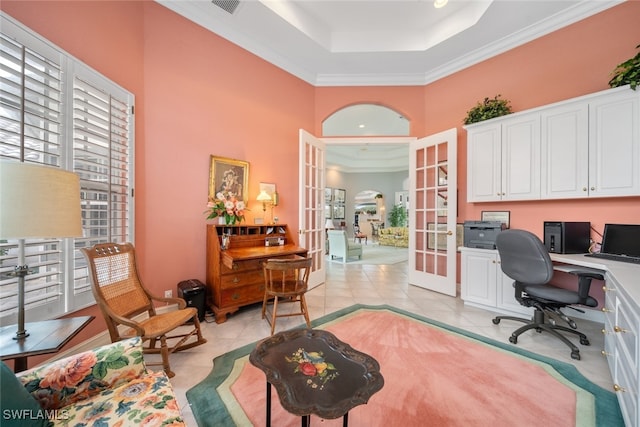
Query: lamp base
{"points": [[20, 335]]}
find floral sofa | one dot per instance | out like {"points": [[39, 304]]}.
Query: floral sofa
{"points": [[394, 236], [107, 386]]}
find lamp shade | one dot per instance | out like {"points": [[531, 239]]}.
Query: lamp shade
{"points": [[264, 197], [329, 225], [38, 202]]}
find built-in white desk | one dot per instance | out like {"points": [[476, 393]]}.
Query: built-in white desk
{"points": [[621, 326]]}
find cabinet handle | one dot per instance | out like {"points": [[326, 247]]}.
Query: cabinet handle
{"points": [[620, 329], [236, 280], [604, 288], [584, 188], [498, 193], [234, 266], [604, 332], [605, 353], [593, 188], [235, 296], [606, 310], [616, 387]]}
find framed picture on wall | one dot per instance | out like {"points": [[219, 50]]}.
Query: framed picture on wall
{"points": [[229, 176], [500, 216], [338, 212], [328, 194], [339, 195]]}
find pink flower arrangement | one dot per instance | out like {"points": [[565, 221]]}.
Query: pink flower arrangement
{"points": [[228, 206]]}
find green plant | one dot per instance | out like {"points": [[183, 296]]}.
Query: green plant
{"points": [[627, 73], [488, 109], [398, 216]]}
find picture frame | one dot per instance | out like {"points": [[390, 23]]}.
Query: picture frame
{"points": [[338, 212], [229, 175], [328, 194], [339, 195], [500, 216]]}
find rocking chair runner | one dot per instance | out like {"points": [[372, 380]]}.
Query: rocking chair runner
{"points": [[121, 297]]}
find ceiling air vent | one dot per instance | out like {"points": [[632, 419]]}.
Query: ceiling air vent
{"points": [[229, 6]]}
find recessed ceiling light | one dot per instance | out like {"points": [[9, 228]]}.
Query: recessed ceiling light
{"points": [[439, 3], [361, 126]]}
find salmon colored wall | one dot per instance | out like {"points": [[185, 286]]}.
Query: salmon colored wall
{"points": [[196, 95], [573, 61]]}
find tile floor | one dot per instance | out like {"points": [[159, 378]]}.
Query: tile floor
{"points": [[374, 285]]}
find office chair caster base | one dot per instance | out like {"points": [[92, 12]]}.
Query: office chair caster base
{"points": [[496, 321], [513, 339], [584, 341], [575, 355]]}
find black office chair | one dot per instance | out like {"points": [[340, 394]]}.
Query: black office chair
{"points": [[525, 259]]}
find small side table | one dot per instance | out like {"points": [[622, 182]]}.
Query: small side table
{"points": [[47, 336], [316, 373]]}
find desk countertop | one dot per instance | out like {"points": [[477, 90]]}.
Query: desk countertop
{"points": [[626, 274]]}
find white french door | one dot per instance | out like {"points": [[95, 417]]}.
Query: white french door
{"points": [[432, 212], [311, 210]]}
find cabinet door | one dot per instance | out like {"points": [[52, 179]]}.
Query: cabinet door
{"points": [[484, 163], [564, 152], [614, 144], [521, 158], [478, 277]]}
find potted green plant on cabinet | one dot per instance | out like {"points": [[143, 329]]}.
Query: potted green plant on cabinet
{"points": [[488, 109], [627, 73]]}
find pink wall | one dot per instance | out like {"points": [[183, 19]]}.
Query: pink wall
{"points": [[197, 95]]}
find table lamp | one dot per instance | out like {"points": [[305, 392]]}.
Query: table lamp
{"points": [[329, 225], [36, 202]]}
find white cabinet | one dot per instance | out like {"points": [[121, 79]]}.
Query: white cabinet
{"points": [[484, 285], [584, 147], [504, 159], [565, 151], [621, 348], [614, 144]]}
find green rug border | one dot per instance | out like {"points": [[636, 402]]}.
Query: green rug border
{"points": [[203, 394]]}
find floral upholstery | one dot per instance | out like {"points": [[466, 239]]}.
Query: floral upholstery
{"points": [[394, 236], [106, 386]]}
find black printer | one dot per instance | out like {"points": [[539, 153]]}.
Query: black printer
{"points": [[482, 234]]}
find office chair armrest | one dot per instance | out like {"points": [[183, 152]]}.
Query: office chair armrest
{"points": [[584, 282]]}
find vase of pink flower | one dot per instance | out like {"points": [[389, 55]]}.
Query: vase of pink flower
{"points": [[226, 205]]}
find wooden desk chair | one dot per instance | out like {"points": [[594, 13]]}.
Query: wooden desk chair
{"points": [[287, 279], [122, 297]]}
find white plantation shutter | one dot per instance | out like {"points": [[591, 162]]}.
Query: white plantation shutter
{"points": [[54, 110]]}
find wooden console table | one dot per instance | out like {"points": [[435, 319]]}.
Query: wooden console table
{"points": [[47, 336], [234, 275]]}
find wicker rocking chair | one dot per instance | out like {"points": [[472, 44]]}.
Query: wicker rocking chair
{"points": [[122, 298]]}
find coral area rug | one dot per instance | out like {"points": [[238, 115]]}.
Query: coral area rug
{"points": [[434, 374]]}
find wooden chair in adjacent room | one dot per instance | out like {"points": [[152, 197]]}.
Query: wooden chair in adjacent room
{"points": [[286, 281], [124, 300]]}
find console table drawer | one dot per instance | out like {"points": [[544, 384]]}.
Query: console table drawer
{"points": [[229, 266], [241, 295], [241, 278]]}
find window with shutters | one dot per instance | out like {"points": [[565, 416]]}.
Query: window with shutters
{"points": [[57, 111]]}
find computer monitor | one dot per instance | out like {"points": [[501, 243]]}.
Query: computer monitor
{"points": [[621, 239]]}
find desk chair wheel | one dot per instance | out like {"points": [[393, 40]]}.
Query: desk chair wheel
{"points": [[584, 341], [495, 320], [513, 339], [575, 355]]}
